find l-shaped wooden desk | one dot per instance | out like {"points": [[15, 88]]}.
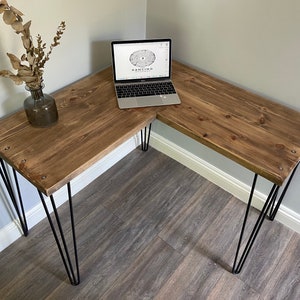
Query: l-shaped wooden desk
{"points": [[259, 134]]}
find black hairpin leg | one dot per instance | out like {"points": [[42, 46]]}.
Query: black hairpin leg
{"points": [[145, 138], [72, 271], [18, 204], [274, 209], [237, 266], [268, 206]]}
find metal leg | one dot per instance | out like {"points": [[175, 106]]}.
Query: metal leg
{"points": [[237, 266], [270, 207], [274, 210], [73, 272], [18, 204], [145, 138]]}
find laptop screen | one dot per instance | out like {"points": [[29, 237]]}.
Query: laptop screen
{"points": [[141, 60]]}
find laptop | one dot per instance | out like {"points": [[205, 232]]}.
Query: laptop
{"points": [[142, 73]]}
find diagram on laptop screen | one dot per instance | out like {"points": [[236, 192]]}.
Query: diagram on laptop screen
{"points": [[142, 58]]}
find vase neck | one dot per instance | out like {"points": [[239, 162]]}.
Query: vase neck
{"points": [[36, 93]]}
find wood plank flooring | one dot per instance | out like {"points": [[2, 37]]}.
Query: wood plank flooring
{"points": [[149, 228]]}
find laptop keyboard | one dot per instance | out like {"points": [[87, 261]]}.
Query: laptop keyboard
{"points": [[145, 89]]}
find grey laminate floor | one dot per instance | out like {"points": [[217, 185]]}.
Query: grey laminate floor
{"points": [[149, 228]]}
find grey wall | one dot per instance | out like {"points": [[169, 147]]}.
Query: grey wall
{"points": [[254, 44]]}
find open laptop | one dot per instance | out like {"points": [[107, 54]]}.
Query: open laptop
{"points": [[142, 73]]}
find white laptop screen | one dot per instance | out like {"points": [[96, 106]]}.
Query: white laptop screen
{"points": [[139, 60]]}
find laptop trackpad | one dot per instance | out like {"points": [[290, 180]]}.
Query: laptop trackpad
{"points": [[140, 102], [149, 101]]}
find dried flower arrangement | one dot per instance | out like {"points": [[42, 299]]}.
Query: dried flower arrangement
{"points": [[30, 66]]}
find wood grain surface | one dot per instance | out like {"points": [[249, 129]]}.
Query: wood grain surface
{"points": [[257, 133], [90, 126]]}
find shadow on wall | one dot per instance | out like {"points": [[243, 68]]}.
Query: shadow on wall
{"points": [[12, 103], [10, 99], [100, 55], [7, 211]]}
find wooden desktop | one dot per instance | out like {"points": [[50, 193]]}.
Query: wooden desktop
{"points": [[259, 134]]}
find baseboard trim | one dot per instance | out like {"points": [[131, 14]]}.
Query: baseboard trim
{"points": [[222, 179], [11, 232]]}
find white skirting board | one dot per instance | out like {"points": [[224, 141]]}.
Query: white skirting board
{"points": [[230, 184], [11, 232]]}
